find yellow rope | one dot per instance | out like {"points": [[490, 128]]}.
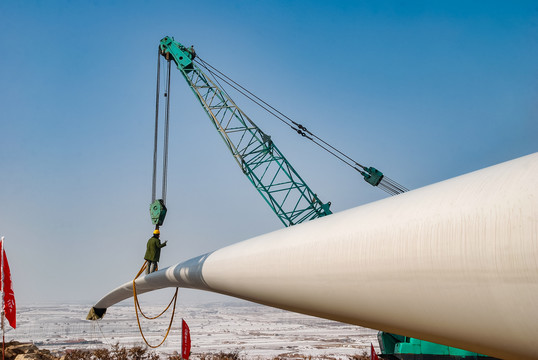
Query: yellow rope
{"points": [[137, 308], [138, 303]]}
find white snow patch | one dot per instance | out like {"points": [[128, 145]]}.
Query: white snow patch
{"points": [[253, 330]]}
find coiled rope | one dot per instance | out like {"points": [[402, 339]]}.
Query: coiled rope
{"points": [[138, 309]]}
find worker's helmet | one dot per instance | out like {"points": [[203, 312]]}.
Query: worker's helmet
{"points": [[156, 232]]}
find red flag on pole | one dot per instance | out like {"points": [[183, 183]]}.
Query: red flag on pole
{"points": [[185, 340], [373, 355], [10, 307]]}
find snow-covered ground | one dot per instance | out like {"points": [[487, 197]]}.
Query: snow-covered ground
{"points": [[254, 331]]}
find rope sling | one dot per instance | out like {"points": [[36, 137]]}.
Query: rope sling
{"points": [[139, 309]]}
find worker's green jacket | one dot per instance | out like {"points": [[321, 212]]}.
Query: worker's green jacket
{"points": [[153, 252]]}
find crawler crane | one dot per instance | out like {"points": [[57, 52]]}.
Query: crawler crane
{"points": [[273, 176]]}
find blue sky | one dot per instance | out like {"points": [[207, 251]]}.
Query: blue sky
{"points": [[422, 90]]}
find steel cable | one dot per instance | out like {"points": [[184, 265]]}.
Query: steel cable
{"points": [[297, 127], [156, 135], [386, 184]]}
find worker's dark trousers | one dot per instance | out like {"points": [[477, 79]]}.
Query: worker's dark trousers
{"points": [[152, 266]]}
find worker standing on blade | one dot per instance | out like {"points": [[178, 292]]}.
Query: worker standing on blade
{"points": [[153, 251]]}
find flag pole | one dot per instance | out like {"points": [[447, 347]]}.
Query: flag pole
{"points": [[2, 291]]}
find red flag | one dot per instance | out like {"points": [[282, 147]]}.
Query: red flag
{"points": [[373, 355], [10, 307], [185, 340]]}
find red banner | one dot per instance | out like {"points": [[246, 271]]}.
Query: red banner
{"points": [[185, 340], [373, 355], [10, 307]]}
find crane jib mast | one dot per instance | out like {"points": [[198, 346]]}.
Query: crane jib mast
{"points": [[256, 154]]}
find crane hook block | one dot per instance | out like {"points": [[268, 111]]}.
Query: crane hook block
{"points": [[372, 176], [157, 211]]}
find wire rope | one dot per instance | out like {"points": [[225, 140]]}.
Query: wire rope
{"points": [[166, 133], [386, 184], [156, 135], [297, 127], [102, 334]]}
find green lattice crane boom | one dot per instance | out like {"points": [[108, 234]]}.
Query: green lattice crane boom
{"points": [[256, 154]]}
